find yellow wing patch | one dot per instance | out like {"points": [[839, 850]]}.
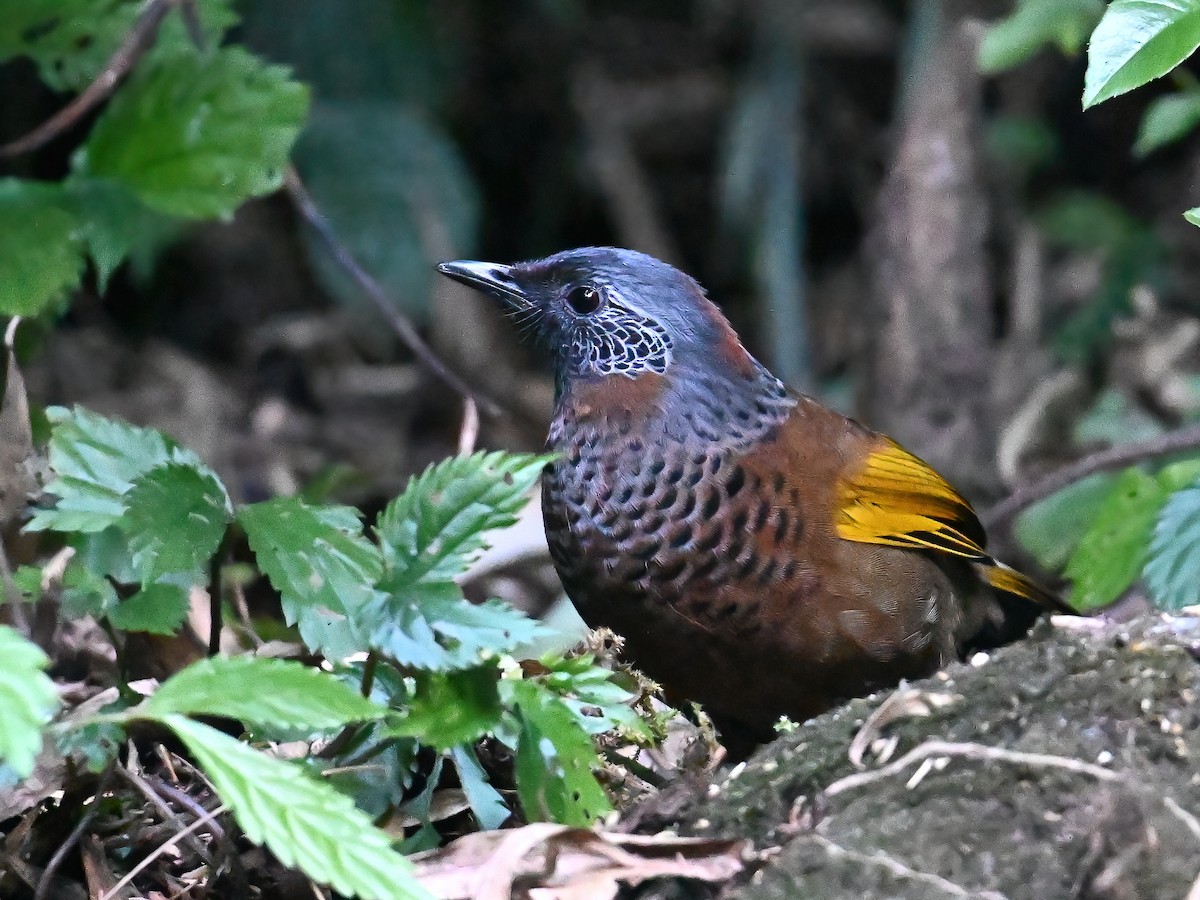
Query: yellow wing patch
{"points": [[898, 500]]}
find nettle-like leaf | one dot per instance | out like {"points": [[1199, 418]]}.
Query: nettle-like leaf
{"points": [[321, 564], [27, 701], [1172, 571], [434, 627], [588, 690], [176, 515], [41, 258], [555, 758], [303, 821], [429, 535], [450, 708], [436, 528], [72, 40], [1032, 25], [95, 462], [198, 134], [1136, 42], [272, 692], [158, 608]]}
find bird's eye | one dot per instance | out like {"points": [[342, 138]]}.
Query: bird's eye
{"points": [[584, 300]]}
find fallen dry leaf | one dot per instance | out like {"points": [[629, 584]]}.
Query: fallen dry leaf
{"points": [[556, 862]]}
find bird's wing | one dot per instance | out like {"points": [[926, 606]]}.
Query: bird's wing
{"points": [[894, 498]]}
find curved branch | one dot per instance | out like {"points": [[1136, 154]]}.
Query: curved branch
{"points": [[141, 38], [1119, 457], [404, 329]]}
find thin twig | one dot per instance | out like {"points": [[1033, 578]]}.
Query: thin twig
{"points": [[169, 815], [981, 752], [140, 38], [160, 850], [881, 860], [400, 324], [1000, 515], [73, 838]]}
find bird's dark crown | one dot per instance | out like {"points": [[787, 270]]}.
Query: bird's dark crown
{"points": [[603, 311]]}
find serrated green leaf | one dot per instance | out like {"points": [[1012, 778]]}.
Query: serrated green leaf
{"points": [[1167, 120], [555, 759], [72, 40], [449, 708], [1136, 42], [1172, 571], [113, 222], [487, 805], [322, 566], [304, 822], [436, 528], [27, 700], [588, 690], [270, 691], [435, 627], [176, 515], [41, 257], [157, 608], [95, 461], [1032, 25], [1113, 551], [198, 134], [1193, 215]]}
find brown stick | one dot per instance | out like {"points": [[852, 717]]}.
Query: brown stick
{"points": [[1002, 514], [404, 329], [141, 38]]}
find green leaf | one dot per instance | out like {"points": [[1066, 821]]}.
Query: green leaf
{"points": [[95, 461], [1173, 570], [1113, 551], [41, 257], [273, 692], [1193, 215], [1167, 120], [449, 708], [1052, 528], [304, 822], [72, 40], [27, 701], [1136, 42], [322, 566], [435, 627], [1034, 24], [176, 516], [157, 608], [486, 803], [113, 223], [386, 179], [555, 758], [588, 690], [435, 529], [198, 134]]}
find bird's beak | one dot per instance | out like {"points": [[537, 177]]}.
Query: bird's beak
{"points": [[493, 279]]}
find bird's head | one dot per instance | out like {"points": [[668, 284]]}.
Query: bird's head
{"points": [[602, 311]]}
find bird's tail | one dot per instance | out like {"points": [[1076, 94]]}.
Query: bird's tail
{"points": [[1010, 581]]}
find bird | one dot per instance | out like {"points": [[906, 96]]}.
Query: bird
{"points": [[760, 553]]}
